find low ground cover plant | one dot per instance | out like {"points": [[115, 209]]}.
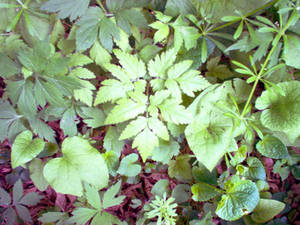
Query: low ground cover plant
{"points": [[149, 112]]}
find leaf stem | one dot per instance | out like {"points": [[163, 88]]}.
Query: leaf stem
{"points": [[258, 77]]}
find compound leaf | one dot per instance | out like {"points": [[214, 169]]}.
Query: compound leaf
{"points": [[67, 8]]}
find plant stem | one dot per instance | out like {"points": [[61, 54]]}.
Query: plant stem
{"points": [[260, 74]]}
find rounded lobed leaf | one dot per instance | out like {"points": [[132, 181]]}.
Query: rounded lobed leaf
{"points": [[81, 162], [272, 147], [240, 199], [281, 113]]}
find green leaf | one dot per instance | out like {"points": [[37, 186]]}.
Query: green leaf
{"points": [[36, 168], [67, 122], [181, 193], [165, 151], [67, 8], [180, 168], [162, 33], [8, 67], [184, 33], [145, 142], [112, 142], [158, 127], [134, 127], [108, 31], [203, 175], [157, 67], [134, 67], [129, 166], [80, 162], [58, 218], [87, 30], [25, 149], [266, 210], [81, 215], [112, 90], [191, 82], [93, 117], [160, 188], [240, 199], [210, 137], [291, 51], [42, 129], [109, 198], [175, 8], [203, 192], [272, 147], [280, 113], [99, 54], [105, 218], [92, 196], [172, 111], [79, 60], [10, 121], [125, 110], [256, 169]]}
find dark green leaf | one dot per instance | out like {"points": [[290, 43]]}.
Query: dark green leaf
{"points": [[67, 8]]}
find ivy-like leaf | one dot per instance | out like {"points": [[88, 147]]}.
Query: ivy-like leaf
{"points": [[129, 167], [210, 137], [25, 149], [81, 162]]}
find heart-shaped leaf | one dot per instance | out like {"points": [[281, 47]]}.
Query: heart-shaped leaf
{"points": [[81, 162], [129, 167], [25, 149]]}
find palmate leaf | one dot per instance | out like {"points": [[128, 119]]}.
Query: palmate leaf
{"points": [[127, 13], [80, 162], [88, 30], [10, 123], [67, 8], [226, 7], [184, 33], [281, 113], [98, 216]]}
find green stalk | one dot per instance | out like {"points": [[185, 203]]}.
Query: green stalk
{"points": [[260, 74]]}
